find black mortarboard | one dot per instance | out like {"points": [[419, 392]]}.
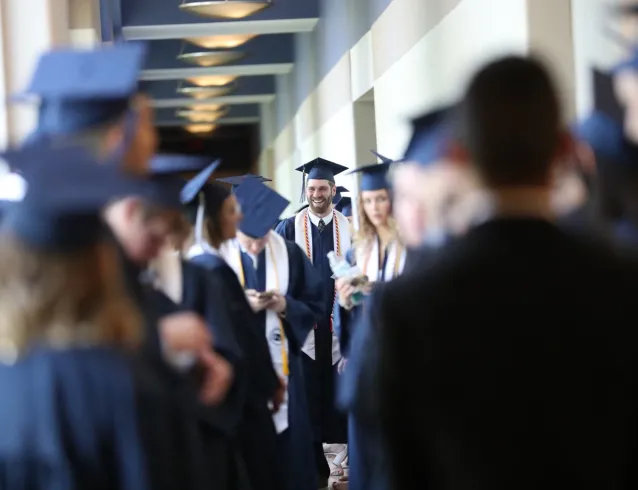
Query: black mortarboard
{"points": [[261, 207], [80, 89], [199, 195], [431, 136], [65, 192], [381, 157], [374, 177], [236, 180]]}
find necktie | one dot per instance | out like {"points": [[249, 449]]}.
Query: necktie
{"points": [[321, 225]]}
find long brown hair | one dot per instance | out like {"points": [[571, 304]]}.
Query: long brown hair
{"points": [[64, 299], [367, 232]]}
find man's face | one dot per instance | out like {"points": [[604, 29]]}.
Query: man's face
{"points": [[319, 194], [145, 140], [144, 230], [253, 246], [409, 203]]}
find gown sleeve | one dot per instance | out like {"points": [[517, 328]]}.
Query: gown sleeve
{"points": [[304, 301], [286, 228]]}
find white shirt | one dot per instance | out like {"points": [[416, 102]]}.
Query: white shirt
{"points": [[315, 219]]}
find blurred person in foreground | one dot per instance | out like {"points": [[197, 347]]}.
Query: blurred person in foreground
{"points": [[507, 363]]}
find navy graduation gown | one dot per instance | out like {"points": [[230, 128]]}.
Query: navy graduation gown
{"points": [[304, 308], [202, 293], [328, 424], [68, 421], [255, 434]]}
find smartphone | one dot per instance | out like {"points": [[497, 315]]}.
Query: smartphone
{"points": [[266, 295]]}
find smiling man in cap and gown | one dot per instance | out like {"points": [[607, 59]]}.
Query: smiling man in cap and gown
{"points": [[318, 230], [286, 295]]}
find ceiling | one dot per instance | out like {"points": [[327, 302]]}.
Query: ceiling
{"points": [[249, 79]]}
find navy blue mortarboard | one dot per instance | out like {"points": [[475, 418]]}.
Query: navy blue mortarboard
{"points": [[381, 157], [345, 206], [431, 136], [163, 186], [261, 207], [80, 89], [606, 138], [320, 169], [374, 177], [194, 186], [236, 180], [339, 194], [65, 192]]}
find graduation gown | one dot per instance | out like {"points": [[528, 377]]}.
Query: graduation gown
{"points": [[255, 433], [303, 309], [320, 353], [198, 291], [167, 399], [365, 451], [68, 421]]}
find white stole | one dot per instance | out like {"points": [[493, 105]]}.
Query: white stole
{"points": [[169, 278], [342, 240], [368, 261], [277, 279]]}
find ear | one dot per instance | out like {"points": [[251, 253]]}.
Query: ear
{"points": [[566, 145], [458, 155], [334, 190]]}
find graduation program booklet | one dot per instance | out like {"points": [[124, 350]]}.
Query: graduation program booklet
{"points": [[342, 269]]}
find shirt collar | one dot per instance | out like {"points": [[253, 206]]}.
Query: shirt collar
{"points": [[315, 219]]}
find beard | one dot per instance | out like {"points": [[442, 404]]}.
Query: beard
{"points": [[319, 206]]}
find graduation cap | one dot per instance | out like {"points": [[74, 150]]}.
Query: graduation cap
{"points": [[431, 135], [236, 180], [339, 194], [64, 194], [80, 89], [381, 157], [606, 138], [261, 207], [345, 206], [319, 169], [374, 177], [163, 186]]}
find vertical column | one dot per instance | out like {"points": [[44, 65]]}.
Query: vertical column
{"points": [[550, 35], [27, 28], [84, 22]]}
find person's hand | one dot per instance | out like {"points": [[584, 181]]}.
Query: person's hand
{"points": [[217, 377], [341, 366], [278, 396], [277, 303], [345, 290], [184, 332], [257, 303]]}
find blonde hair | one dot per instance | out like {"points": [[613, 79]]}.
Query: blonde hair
{"points": [[366, 234], [64, 299]]}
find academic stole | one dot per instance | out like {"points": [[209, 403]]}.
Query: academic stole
{"points": [[395, 257], [272, 277], [337, 241]]}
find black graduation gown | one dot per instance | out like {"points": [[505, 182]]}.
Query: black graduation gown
{"points": [[203, 294], [516, 364], [256, 432], [167, 400], [329, 425], [303, 310], [68, 421]]}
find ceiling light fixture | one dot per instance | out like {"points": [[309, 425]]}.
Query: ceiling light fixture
{"points": [[207, 92], [212, 80], [198, 116], [221, 41], [215, 57], [200, 128], [225, 9]]}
